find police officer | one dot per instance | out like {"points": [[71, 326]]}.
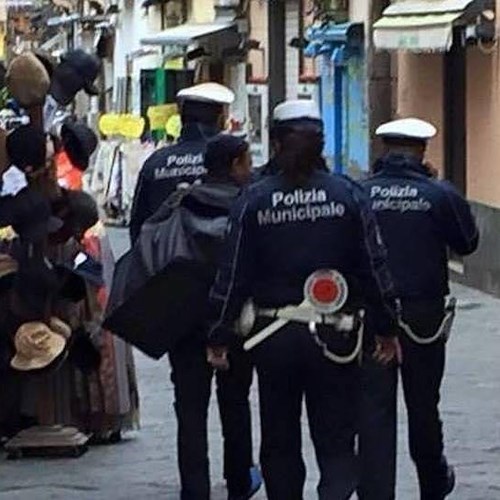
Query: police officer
{"points": [[284, 229], [202, 115], [421, 218]]}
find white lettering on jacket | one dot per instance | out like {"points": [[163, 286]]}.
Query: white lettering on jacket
{"points": [[187, 165], [299, 205], [398, 198]]}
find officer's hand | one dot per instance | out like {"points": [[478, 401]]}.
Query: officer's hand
{"points": [[387, 349], [217, 358]]}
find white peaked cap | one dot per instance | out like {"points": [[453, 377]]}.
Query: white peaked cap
{"points": [[207, 92], [407, 128], [296, 109]]}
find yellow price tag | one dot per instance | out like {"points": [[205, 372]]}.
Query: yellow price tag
{"points": [[159, 115], [131, 127], [174, 126], [109, 124], [177, 63]]}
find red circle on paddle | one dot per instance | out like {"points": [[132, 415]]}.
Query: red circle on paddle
{"points": [[325, 290]]}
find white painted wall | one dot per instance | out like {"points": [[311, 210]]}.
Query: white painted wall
{"points": [[134, 24], [292, 54]]}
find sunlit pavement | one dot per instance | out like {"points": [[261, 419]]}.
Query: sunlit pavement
{"points": [[144, 465]]}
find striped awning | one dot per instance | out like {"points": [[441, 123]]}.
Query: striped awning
{"points": [[419, 26]]}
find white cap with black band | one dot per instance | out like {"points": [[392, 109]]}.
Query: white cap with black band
{"points": [[407, 128], [207, 92], [299, 109]]}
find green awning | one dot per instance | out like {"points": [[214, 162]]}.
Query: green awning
{"points": [[420, 26], [432, 33]]}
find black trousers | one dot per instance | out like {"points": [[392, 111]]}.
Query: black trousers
{"points": [[292, 368], [378, 430], [192, 378], [421, 375]]}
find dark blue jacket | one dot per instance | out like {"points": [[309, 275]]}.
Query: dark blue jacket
{"points": [[279, 235], [420, 218], [165, 169]]}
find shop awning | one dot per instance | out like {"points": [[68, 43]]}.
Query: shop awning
{"points": [[186, 34], [420, 26]]}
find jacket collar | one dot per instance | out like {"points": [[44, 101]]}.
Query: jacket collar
{"points": [[197, 132], [398, 164]]}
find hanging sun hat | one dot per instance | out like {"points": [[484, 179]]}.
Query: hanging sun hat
{"points": [[8, 270], [79, 142], [31, 216], [27, 148], [27, 80], [77, 71], [37, 347], [8, 265]]}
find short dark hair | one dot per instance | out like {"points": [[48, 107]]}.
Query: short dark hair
{"points": [[203, 112], [221, 151]]}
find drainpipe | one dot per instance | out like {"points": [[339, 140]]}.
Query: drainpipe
{"points": [[277, 53], [379, 80], [338, 117]]}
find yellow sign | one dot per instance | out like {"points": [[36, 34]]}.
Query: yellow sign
{"points": [[177, 63], [159, 115], [174, 126], [109, 124], [131, 127]]}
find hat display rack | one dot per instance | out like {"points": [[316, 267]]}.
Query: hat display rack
{"points": [[40, 93]]}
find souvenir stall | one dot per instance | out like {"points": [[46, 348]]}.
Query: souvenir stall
{"points": [[65, 381]]}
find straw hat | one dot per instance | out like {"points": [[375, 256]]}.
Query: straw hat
{"points": [[28, 80], [8, 265], [37, 346]]}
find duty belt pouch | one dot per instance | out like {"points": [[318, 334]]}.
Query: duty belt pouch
{"points": [[342, 345]]}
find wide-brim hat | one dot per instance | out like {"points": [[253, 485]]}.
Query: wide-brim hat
{"points": [[207, 92], [79, 142], [26, 147], [47, 60], [65, 84], [27, 80], [88, 66], [407, 128], [37, 347], [30, 215]]}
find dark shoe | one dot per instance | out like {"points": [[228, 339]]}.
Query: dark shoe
{"points": [[255, 484]]}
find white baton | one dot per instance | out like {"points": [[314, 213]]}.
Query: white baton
{"points": [[264, 334]]}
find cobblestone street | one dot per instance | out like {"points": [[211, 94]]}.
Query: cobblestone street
{"points": [[143, 466]]}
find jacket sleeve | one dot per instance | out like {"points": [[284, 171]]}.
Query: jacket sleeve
{"points": [[232, 284], [373, 272], [140, 206], [457, 222]]}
